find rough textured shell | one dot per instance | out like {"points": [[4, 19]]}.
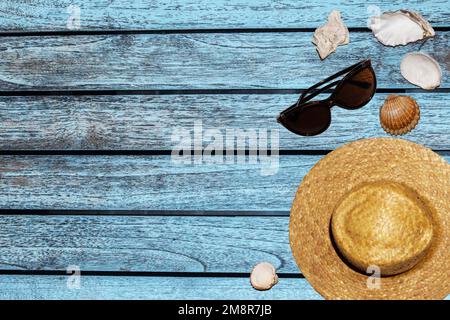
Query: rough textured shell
{"points": [[400, 27], [332, 34], [399, 114], [421, 70]]}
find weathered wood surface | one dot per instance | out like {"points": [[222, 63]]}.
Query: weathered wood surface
{"points": [[150, 183], [164, 288], [145, 244], [146, 182], [155, 184], [22, 15], [147, 122], [196, 61]]}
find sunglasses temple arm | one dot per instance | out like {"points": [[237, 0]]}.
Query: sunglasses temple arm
{"points": [[334, 76], [317, 92]]}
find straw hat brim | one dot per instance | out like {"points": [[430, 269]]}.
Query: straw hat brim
{"points": [[371, 160]]}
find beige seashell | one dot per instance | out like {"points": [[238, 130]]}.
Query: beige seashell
{"points": [[399, 114], [421, 70], [331, 35], [400, 27], [263, 276]]}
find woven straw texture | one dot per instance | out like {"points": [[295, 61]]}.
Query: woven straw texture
{"points": [[363, 161]]}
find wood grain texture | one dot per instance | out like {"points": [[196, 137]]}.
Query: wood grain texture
{"points": [[150, 183], [163, 288], [23, 15], [148, 122], [196, 61], [145, 244], [146, 182]]}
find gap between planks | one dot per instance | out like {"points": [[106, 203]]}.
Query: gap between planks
{"points": [[169, 31], [101, 152], [161, 213], [146, 152], [175, 31], [156, 92], [90, 273]]}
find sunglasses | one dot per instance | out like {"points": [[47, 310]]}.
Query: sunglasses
{"points": [[309, 118]]}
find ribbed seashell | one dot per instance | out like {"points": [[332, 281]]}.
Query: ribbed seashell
{"points": [[399, 114]]}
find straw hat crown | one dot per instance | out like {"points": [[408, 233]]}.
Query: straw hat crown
{"points": [[382, 224]]}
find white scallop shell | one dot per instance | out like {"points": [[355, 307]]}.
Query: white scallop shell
{"points": [[421, 70], [400, 27], [331, 35]]}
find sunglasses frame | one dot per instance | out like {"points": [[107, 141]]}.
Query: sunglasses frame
{"points": [[305, 98]]}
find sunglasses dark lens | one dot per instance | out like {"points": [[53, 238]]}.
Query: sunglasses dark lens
{"points": [[308, 120], [357, 90]]}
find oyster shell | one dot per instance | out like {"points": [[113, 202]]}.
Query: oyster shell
{"points": [[400, 27], [399, 114], [421, 70], [331, 35]]}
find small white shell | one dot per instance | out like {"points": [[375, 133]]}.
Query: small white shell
{"points": [[421, 70], [331, 35], [400, 27], [263, 276]]}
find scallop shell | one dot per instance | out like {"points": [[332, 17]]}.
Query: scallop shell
{"points": [[399, 114], [400, 27], [331, 35], [421, 70]]}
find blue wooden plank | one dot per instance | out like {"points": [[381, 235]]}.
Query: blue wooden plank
{"points": [[166, 288], [151, 183], [145, 244], [147, 183], [127, 122], [21, 15], [196, 61]]}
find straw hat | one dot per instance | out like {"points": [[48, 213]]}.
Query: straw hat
{"points": [[371, 220]]}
